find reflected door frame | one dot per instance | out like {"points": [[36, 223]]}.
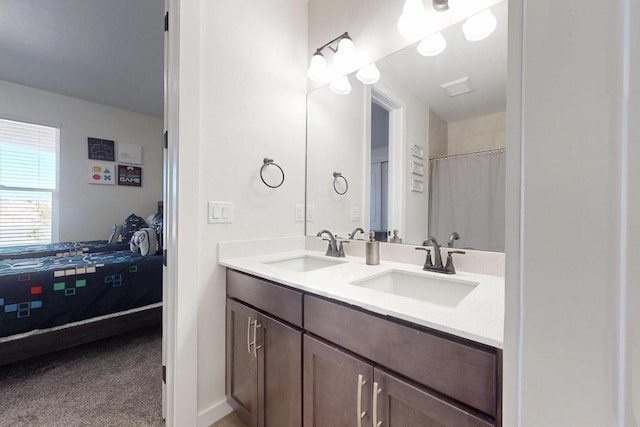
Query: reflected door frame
{"points": [[397, 141]]}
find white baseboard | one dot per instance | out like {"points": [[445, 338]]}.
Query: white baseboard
{"points": [[214, 413]]}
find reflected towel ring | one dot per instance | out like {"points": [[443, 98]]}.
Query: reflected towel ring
{"points": [[267, 162], [337, 175]]}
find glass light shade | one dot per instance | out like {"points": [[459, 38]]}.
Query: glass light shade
{"points": [[433, 45], [479, 26], [368, 74], [341, 86], [345, 57], [318, 71], [412, 21]]}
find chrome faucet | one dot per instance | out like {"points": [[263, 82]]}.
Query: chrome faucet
{"points": [[333, 249], [354, 232], [454, 236], [437, 264], [437, 258]]}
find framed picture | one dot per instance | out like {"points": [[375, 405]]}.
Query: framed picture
{"points": [[130, 176], [101, 149], [417, 151], [102, 173], [417, 168], [417, 186], [129, 153]]}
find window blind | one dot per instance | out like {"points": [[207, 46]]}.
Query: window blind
{"points": [[28, 168]]}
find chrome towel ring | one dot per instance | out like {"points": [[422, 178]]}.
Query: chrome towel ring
{"points": [[336, 176], [269, 162]]}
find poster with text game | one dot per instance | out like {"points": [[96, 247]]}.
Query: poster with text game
{"points": [[130, 176]]}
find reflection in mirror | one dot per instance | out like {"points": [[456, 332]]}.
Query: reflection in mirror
{"points": [[423, 148]]}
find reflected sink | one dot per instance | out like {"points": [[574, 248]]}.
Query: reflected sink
{"points": [[444, 291], [305, 263]]}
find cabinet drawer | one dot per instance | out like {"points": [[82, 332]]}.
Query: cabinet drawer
{"points": [[465, 373], [281, 302]]}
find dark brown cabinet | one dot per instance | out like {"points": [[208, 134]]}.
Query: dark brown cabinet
{"points": [[295, 359], [343, 390], [337, 387], [264, 368]]}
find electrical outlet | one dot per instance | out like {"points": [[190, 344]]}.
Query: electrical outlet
{"points": [[299, 213], [311, 212]]}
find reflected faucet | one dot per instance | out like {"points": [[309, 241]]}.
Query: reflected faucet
{"points": [[354, 232], [437, 258], [454, 236], [332, 249]]}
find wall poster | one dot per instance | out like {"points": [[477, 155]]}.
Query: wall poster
{"points": [[101, 149], [129, 153], [130, 176], [102, 173]]}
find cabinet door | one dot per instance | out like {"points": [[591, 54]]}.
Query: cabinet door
{"points": [[336, 387], [279, 374], [242, 366], [399, 404]]}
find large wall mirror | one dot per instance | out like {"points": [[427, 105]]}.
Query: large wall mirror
{"points": [[422, 150]]}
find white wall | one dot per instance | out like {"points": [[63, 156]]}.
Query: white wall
{"points": [[252, 88], [565, 331], [438, 135], [87, 212]]}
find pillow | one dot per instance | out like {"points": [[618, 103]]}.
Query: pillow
{"points": [[130, 225], [144, 242], [115, 233], [156, 223]]}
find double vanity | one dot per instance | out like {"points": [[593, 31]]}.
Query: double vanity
{"points": [[321, 341]]}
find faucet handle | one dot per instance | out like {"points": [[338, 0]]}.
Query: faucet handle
{"points": [[341, 248], [427, 261], [449, 267]]}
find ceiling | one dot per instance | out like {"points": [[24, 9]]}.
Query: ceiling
{"points": [[484, 62], [106, 51]]}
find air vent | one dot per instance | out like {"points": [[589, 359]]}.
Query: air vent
{"points": [[457, 87]]}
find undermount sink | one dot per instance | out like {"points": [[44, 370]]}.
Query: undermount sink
{"points": [[305, 263], [444, 291]]}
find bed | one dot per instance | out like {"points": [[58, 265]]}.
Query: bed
{"points": [[74, 294], [60, 249]]}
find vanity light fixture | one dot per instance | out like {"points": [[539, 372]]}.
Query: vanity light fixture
{"points": [[433, 45], [411, 23], [345, 59], [479, 26], [368, 74], [341, 86]]}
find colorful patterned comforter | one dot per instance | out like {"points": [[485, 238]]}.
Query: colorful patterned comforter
{"points": [[39, 293]]}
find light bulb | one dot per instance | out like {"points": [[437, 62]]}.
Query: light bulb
{"points": [[479, 26], [412, 21], [433, 45], [341, 86], [345, 57], [318, 71], [368, 74]]}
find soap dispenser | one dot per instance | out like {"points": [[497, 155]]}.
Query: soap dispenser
{"points": [[372, 250], [395, 238]]}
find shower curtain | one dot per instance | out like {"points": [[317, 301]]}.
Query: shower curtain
{"points": [[467, 195]]}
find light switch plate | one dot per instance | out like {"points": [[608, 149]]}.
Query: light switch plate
{"points": [[355, 214], [299, 213], [220, 212], [311, 212]]}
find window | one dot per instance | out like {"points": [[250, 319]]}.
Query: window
{"points": [[28, 177]]}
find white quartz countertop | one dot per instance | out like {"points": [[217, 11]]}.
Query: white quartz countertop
{"points": [[478, 317]]}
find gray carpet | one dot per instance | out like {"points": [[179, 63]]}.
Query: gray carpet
{"points": [[113, 382]]}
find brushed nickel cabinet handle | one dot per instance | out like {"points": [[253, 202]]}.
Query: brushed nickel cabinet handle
{"points": [[376, 391], [256, 325], [249, 335], [360, 413]]}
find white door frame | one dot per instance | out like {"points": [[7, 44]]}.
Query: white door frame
{"points": [[397, 154]]}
